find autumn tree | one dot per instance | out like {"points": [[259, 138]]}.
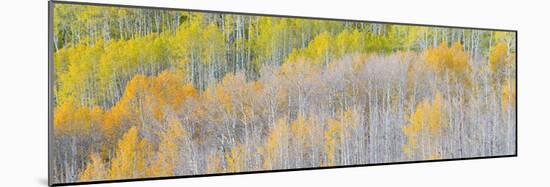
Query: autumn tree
{"points": [[333, 138], [274, 151], [235, 159], [499, 61], [452, 59], [424, 129], [168, 155], [95, 169], [130, 160]]}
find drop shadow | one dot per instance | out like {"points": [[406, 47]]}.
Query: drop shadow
{"points": [[42, 181]]}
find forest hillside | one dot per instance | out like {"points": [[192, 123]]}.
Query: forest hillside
{"points": [[148, 93]]}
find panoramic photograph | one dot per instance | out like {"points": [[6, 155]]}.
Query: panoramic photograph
{"points": [[147, 93]]}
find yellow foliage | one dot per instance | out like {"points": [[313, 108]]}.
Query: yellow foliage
{"points": [[276, 140], [211, 35], [124, 164], [82, 119], [78, 74], [435, 119], [348, 42], [132, 102], [443, 58], [168, 150], [319, 47], [143, 155], [425, 126], [95, 169], [350, 119], [235, 158], [317, 52], [301, 131], [498, 56], [333, 136], [62, 116], [508, 98], [73, 119], [256, 86]]}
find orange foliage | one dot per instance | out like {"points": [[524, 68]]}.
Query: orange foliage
{"points": [[167, 91], [74, 119], [443, 58]]}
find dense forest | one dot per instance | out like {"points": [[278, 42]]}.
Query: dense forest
{"points": [[148, 93]]}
